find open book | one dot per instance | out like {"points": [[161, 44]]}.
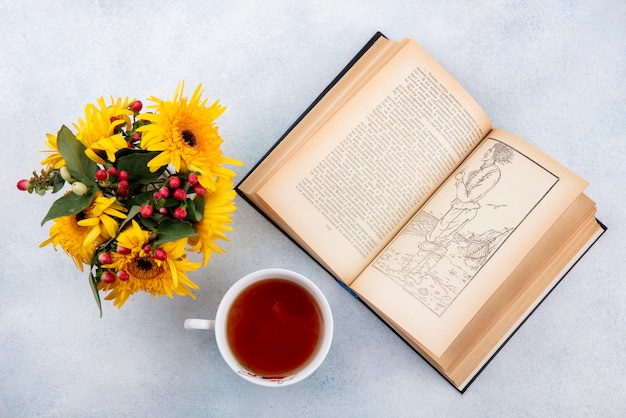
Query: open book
{"points": [[396, 183]]}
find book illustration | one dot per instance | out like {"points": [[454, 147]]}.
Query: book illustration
{"points": [[437, 256]]}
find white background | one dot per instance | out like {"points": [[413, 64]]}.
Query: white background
{"points": [[552, 72]]}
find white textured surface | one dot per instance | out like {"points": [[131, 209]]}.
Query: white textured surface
{"points": [[552, 72]]}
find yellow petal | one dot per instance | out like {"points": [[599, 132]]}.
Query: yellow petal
{"points": [[93, 156], [159, 161], [116, 213], [110, 226], [173, 272], [93, 234], [88, 222]]}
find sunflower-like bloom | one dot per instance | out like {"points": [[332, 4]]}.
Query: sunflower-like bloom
{"points": [[159, 276], [184, 132], [219, 206], [54, 158], [98, 131], [98, 217], [67, 233]]}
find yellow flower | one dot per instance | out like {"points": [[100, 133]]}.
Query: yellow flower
{"points": [[219, 206], [70, 236], [97, 131], [54, 158], [98, 217], [146, 271], [184, 132]]}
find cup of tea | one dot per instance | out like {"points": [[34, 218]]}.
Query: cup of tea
{"points": [[273, 327]]}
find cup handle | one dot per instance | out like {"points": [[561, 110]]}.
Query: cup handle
{"points": [[206, 324]]}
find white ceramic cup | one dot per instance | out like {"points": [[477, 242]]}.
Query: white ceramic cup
{"points": [[219, 326]]}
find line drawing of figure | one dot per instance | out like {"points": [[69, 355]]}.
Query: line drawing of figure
{"points": [[444, 247], [465, 206]]}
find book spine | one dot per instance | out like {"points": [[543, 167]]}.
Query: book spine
{"points": [[345, 286]]}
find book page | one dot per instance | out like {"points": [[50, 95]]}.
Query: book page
{"points": [[460, 247], [361, 176]]}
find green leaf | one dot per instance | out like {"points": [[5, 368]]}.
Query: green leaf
{"points": [[195, 209], [198, 202], [140, 199], [94, 289], [171, 230], [170, 202], [57, 183], [148, 223], [132, 212], [135, 162], [73, 152], [69, 204]]}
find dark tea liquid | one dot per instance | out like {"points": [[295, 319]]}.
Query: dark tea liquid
{"points": [[273, 327]]}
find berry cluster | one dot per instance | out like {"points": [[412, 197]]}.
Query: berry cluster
{"points": [[170, 197], [115, 180], [173, 196], [41, 183], [108, 276]]}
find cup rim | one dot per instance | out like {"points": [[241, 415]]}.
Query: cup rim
{"points": [[226, 302]]}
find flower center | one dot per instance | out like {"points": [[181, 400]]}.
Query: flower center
{"points": [[144, 264], [189, 137], [144, 269]]}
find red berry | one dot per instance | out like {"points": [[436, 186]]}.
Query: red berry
{"points": [[122, 192], [164, 192], [174, 182], [156, 195], [180, 213], [105, 258], [163, 211], [122, 275], [122, 175], [136, 136], [192, 179], [147, 248], [136, 106], [108, 277], [160, 255], [180, 194], [123, 250], [199, 190], [146, 211], [114, 118], [112, 171], [23, 184], [101, 175], [123, 184]]}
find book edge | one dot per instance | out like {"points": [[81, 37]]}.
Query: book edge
{"points": [[463, 387]]}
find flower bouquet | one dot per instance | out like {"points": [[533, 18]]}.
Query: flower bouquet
{"points": [[146, 189]]}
